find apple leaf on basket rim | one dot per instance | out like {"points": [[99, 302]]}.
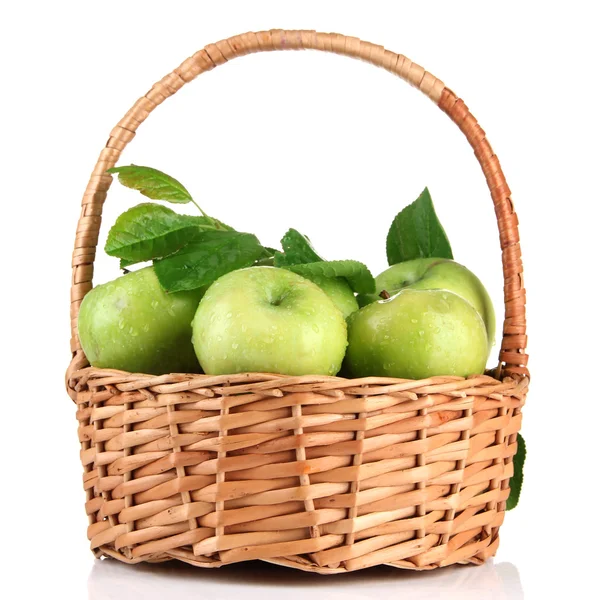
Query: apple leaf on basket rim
{"points": [[356, 273], [206, 258], [516, 481], [149, 231], [152, 183], [416, 232]]}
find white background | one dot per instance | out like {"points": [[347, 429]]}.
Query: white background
{"points": [[335, 148]]}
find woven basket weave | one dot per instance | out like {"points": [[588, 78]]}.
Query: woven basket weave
{"points": [[324, 474]]}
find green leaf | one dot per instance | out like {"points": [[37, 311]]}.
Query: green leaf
{"points": [[267, 253], [149, 231], [124, 263], [152, 183], [206, 258], [356, 273], [516, 481], [297, 249], [416, 232], [219, 224], [299, 256]]}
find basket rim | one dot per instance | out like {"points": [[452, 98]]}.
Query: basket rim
{"points": [[275, 384]]}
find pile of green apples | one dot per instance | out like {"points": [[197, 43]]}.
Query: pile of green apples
{"points": [[216, 301]]}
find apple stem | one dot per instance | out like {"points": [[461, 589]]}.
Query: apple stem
{"points": [[265, 262], [385, 294], [214, 223]]}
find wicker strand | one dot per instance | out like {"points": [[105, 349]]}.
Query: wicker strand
{"points": [[309, 505]]}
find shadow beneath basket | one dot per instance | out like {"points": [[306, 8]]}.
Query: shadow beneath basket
{"points": [[110, 579]]}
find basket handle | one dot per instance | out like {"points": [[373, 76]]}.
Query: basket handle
{"points": [[512, 357]]}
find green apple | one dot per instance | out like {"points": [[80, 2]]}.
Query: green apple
{"points": [[416, 334], [437, 273], [268, 320], [340, 293], [131, 324]]}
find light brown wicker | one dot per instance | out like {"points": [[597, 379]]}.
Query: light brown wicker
{"points": [[324, 474]]}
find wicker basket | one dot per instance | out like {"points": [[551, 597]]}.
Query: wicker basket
{"points": [[324, 474]]}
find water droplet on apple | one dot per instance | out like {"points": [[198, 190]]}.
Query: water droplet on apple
{"points": [[315, 328], [146, 327], [414, 321], [421, 333], [228, 315], [244, 328], [234, 346], [437, 330], [121, 324]]}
